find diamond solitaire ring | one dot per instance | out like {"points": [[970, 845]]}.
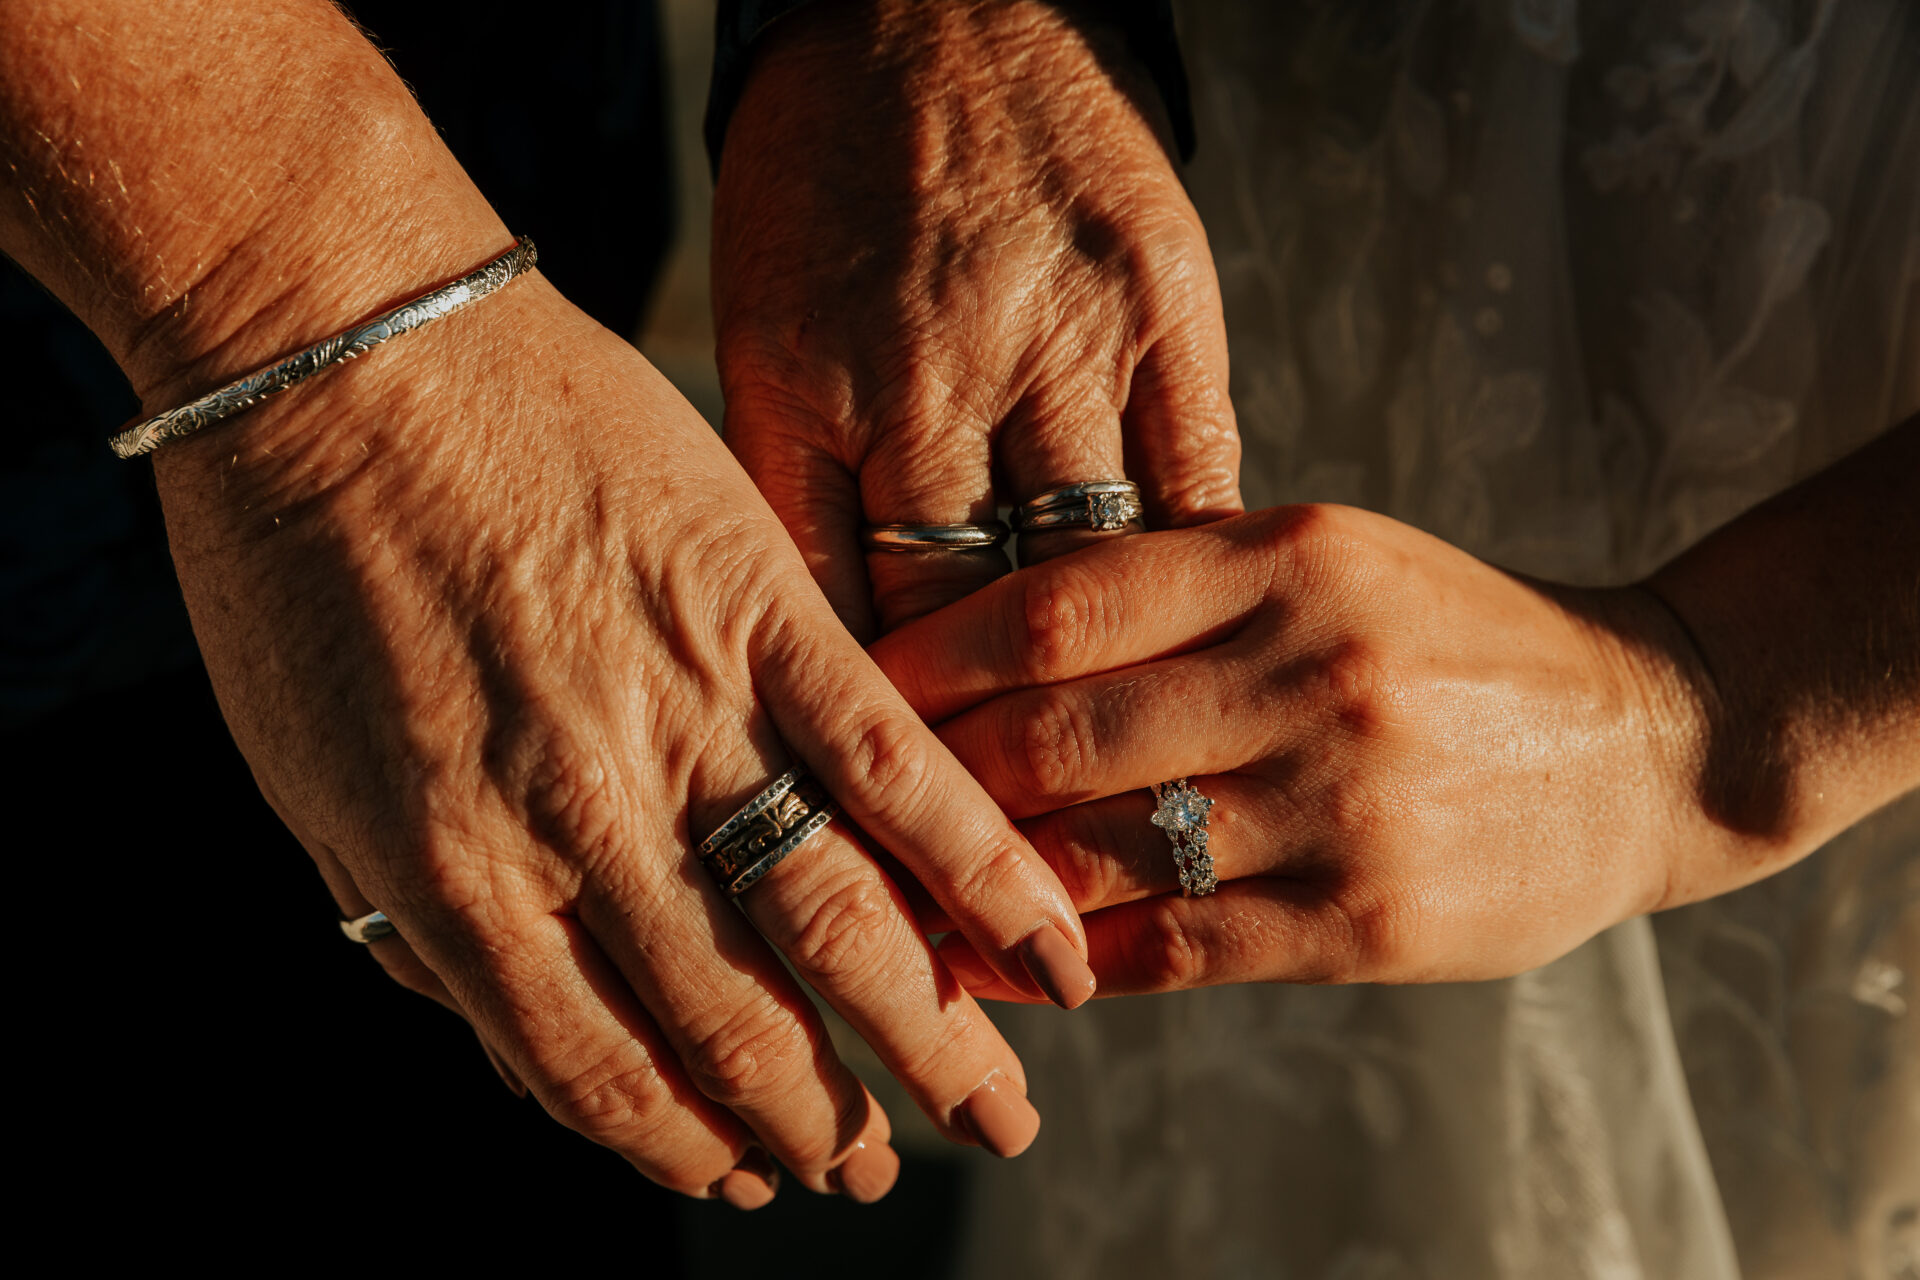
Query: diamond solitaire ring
{"points": [[1183, 816], [1104, 506]]}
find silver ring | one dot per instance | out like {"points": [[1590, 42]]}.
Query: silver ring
{"points": [[370, 927], [933, 537], [785, 814], [1183, 816], [1104, 506]]}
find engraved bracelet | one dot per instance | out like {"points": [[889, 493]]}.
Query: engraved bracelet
{"points": [[237, 397]]}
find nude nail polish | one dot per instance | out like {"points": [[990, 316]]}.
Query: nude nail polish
{"points": [[752, 1182], [866, 1174], [1057, 968], [1000, 1116]]}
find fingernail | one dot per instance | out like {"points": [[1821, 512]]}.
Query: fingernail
{"points": [[1000, 1116], [968, 966], [752, 1182], [1056, 967], [512, 1081], [867, 1174]]}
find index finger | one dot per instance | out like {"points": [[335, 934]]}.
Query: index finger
{"points": [[1124, 602]]}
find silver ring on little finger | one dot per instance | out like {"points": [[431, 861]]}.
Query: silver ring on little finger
{"points": [[370, 927], [786, 813], [1182, 814], [933, 537], [1103, 506]]}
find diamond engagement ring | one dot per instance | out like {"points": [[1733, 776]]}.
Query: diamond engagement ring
{"points": [[1104, 506], [788, 812], [933, 537], [1183, 816]]}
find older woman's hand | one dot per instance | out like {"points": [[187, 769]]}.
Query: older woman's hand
{"points": [[500, 625], [1424, 768], [954, 266]]}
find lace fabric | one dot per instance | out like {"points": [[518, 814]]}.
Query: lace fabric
{"points": [[1568, 284]]}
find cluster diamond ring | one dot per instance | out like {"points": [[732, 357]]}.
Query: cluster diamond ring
{"points": [[1104, 506], [1183, 816], [785, 814], [933, 537]]}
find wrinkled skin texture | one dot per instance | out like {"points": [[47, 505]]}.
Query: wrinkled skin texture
{"points": [[1424, 768], [954, 267], [498, 670]]}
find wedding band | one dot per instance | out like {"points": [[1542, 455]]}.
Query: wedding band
{"points": [[1104, 506], [933, 537], [1183, 816], [786, 813], [370, 927]]}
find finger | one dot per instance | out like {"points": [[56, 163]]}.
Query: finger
{"points": [[1037, 750], [1265, 929], [849, 934], [748, 1036], [568, 1024], [938, 474], [907, 792], [1182, 441], [1053, 438], [815, 496], [1125, 602]]}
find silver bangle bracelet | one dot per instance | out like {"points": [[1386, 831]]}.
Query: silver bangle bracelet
{"points": [[237, 397]]}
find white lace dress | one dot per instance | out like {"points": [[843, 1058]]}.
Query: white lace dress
{"points": [[1567, 283]]}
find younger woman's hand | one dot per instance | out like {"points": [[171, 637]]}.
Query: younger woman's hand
{"points": [[1422, 768]]}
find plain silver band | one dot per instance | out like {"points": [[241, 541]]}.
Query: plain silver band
{"points": [[934, 537], [370, 927], [237, 397], [1071, 495]]}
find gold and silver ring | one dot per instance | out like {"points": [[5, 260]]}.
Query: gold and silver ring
{"points": [[785, 814]]}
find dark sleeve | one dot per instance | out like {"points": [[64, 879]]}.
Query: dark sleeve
{"points": [[1148, 25]]}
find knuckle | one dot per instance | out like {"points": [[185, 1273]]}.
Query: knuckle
{"points": [[1067, 617], [746, 1056], [1057, 750], [850, 928], [1089, 876], [617, 1103], [1352, 683], [1376, 929], [888, 759], [981, 881], [1172, 956]]}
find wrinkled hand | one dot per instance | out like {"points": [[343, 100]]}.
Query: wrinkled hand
{"points": [[503, 630], [1423, 768], [954, 267]]}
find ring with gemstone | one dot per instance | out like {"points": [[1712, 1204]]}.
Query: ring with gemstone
{"points": [[784, 815], [1104, 506], [1183, 816], [933, 537]]}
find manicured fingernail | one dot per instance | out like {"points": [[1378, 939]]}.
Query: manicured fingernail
{"points": [[752, 1182], [512, 1081], [867, 1174], [1000, 1116], [1057, 968], [968, 966]]}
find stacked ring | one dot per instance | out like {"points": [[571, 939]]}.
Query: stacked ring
{"points": [[785, 814], [1103, 506], [1182, 814], [933, 537]]}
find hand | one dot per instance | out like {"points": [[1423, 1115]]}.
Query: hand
{"points": [[954, 267], [1423, 768], [503, 630]]}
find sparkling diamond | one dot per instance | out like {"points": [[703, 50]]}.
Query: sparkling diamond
{"points": [[1110, 511]]}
